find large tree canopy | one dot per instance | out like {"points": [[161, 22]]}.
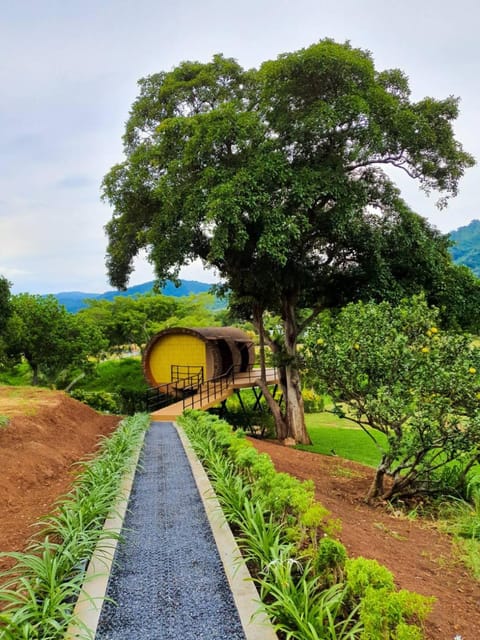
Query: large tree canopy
{"points": [[277, 178]]}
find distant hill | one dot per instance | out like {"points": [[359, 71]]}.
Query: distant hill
{"points": [[75, 300], [466, 249]]}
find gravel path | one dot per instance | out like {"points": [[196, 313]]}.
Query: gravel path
{"points": [[168, 580]]}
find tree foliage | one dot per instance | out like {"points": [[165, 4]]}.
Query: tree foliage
{"points": [[456, 293], [49, 338], [391, 369], [5, 305], [276, 177], [126, 321]]}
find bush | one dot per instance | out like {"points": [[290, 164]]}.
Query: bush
{"points": [[309, 587], [330, 560], [362, 573], [98, 400], [258, 421], [393, 614], [130, 401], [312, 401]]}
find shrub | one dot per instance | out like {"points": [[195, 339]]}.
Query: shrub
{"points": [[329, 561], [309, 587], [362, 573], [312, 401], [389, 614], [98, 400]]}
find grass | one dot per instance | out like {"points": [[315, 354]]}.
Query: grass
{"points": [[332, 435], [469, 553]]}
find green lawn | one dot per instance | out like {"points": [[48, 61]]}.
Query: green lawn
{"points": [[329, 433]]}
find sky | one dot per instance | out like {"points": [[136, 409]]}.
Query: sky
{"points": [[68, 77]]}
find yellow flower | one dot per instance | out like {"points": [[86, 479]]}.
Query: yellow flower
{"points": [[472, 370], [429, 333], [477, 396], [433, 330], [320, 341], [356, 346], [425, 349]]}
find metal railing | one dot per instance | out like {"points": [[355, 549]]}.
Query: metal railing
{"points": [[166, 394], [210, 389], [185, 371], [214, 387], [193, 391]]}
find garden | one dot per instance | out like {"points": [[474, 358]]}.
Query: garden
{"points": [[422, 558]]}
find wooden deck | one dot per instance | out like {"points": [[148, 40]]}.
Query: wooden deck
{"points": [[211, 393]]}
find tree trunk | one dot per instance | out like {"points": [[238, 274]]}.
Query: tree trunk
{"points": [[376, 488], [280, 424], [34, 374], [291, 424], [295, 416], [294, 412], [261, 334]]}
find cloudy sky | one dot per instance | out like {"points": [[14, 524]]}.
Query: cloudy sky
{"points": [[68, 75]]}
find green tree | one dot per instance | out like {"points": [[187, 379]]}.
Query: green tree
{"points": [[48, 337], [126, 320], [123, 321], [457, 294], [5, 306], [391, 369], [276, 178]]}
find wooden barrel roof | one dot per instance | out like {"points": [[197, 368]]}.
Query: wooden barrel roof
{"points": [[229, 335]]}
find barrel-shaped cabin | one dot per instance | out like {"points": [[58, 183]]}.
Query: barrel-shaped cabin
{"points": [[205, 353]]}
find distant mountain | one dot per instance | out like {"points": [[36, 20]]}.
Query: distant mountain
{"points": [[76, 300], [466, 249]]}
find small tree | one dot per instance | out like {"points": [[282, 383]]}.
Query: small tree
{"points": [[390, 369], [5, 305], [5, 312], [134, 320], [48, 337]]}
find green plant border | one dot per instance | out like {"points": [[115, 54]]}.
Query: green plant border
{"points": [[309, 588], [38, 594]]}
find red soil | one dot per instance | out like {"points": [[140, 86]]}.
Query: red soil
{"points": [[421, 558], [48, 432]]}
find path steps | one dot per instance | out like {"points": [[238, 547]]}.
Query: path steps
{"points": [[168, 580]]}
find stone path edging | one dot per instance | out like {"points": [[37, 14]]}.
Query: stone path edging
{"points": [[256, 625]]}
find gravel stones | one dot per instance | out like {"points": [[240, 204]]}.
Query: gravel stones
{"points": [[168, 581]]}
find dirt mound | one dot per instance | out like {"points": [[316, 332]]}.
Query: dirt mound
{"points": [[47, 432], [421, 558]]}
